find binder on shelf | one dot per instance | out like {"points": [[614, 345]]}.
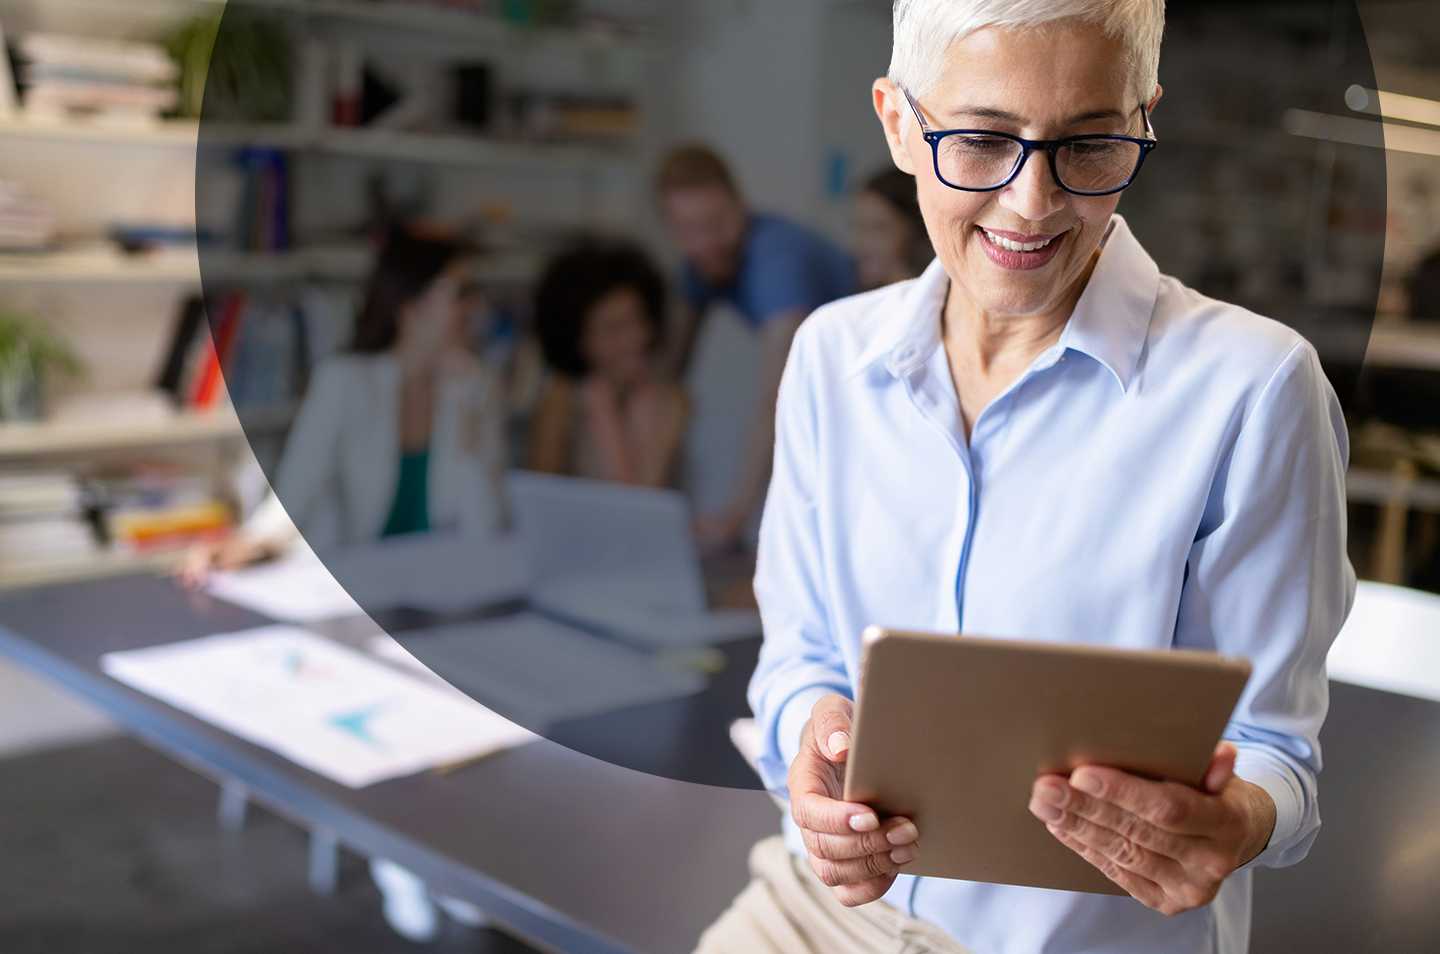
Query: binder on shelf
{"points": [[8, 100], [185, 333], [217, 350]]}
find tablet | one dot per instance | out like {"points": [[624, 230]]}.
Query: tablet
{"points": [[951, 731]]}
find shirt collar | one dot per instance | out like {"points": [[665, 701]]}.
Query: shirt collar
{"points": [[905, 340], [1110, 321], [1112, 318]]}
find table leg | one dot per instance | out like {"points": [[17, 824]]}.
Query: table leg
{"points": [[234, 799], [324, 861]]}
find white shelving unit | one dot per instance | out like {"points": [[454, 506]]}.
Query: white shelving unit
{"points": [[113, 301], [1378, 487], [49, 440], [114, 562], [411, 17], [433, 148], [104, 265]]}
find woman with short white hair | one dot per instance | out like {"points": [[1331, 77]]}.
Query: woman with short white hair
{"points": [[1042, 437]]}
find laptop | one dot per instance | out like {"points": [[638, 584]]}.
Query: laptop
{"points": [[633, 543]]}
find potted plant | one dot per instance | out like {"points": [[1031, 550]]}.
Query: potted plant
{"points": [[28, 351]]}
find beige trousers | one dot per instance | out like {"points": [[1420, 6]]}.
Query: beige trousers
{"points": [[787, 910]]}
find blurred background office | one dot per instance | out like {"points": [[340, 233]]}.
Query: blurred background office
{"points": [[170, 289]]}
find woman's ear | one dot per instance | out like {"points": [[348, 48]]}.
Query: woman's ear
{"points": [[895, 119], [1154, 100]]}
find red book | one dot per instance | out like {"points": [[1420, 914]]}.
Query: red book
{"points": [[218, 346]]}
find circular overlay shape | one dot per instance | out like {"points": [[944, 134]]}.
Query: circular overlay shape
{"points": [[391, 378]]}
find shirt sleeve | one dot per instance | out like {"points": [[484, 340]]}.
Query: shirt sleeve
{"points": [[1268, 579], [270, 523], [785, 276], [308, 466], [692, 290], [799, 661]]}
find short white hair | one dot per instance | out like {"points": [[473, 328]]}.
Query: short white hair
{"points": [[925, 30]]}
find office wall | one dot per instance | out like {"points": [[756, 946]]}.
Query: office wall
{"points": [[783, 90], [747, 81]]}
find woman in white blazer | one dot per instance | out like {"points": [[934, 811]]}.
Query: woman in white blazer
{"points": [[403, 433]]}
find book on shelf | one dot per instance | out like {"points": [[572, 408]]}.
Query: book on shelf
{"points": [[184, 339], [43, 518], [40, 494], [8, 99], [263, 222], [564, 117], [122, 60], [261, 349], [146, 509], [271, 362], [46, 540], [118, 80], [27, 223], [216, 350], [152, 528]]}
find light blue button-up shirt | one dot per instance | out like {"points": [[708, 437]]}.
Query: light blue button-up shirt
{"points": [[1171, 473]]}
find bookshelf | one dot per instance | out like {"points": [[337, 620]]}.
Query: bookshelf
{"points": [[443, 149], [105, 265], [1378, 487], [21, 443], [120, 309], [469, 26], [93, 566]]}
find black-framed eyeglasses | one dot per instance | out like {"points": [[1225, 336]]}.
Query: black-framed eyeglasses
{"points": [[983, 160]]}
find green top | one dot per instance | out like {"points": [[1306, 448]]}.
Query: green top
{"points": [[410, 513]]}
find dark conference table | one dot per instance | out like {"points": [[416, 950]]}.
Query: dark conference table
{"points": [[565, 850], [577, 854]]}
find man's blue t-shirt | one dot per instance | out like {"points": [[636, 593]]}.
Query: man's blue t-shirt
{"points": [[783, 267]]}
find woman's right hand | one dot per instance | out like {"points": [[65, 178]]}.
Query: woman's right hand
{"points": [[231, 553], [849, 848]]}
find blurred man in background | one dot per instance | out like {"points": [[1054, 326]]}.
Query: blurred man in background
{"points": [[749, 279]]}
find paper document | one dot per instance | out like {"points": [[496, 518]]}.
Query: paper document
{"points": [[537, 671], [327, 708], [297, 589]]}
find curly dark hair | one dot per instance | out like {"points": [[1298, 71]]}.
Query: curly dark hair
{"points": [[580, 277]]}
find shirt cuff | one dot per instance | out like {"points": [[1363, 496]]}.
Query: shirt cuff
{"points": [[1257, 766]]}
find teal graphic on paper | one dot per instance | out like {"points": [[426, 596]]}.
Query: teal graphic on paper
{"points": [[357, 723]]}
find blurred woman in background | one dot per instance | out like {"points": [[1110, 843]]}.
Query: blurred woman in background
{"points": [[607, 413], [891, 243], [401, 434]]}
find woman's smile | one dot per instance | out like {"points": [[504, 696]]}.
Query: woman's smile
{"points": [[1010, 250]]}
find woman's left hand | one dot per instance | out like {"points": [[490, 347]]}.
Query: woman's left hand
{"points": [[1170, 846]]}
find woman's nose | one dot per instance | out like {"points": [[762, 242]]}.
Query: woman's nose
{"points": [[1034, 194]]}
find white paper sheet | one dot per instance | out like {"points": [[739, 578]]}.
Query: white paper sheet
{"points": [[327, 708], [435, 572], [297, 589]]}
